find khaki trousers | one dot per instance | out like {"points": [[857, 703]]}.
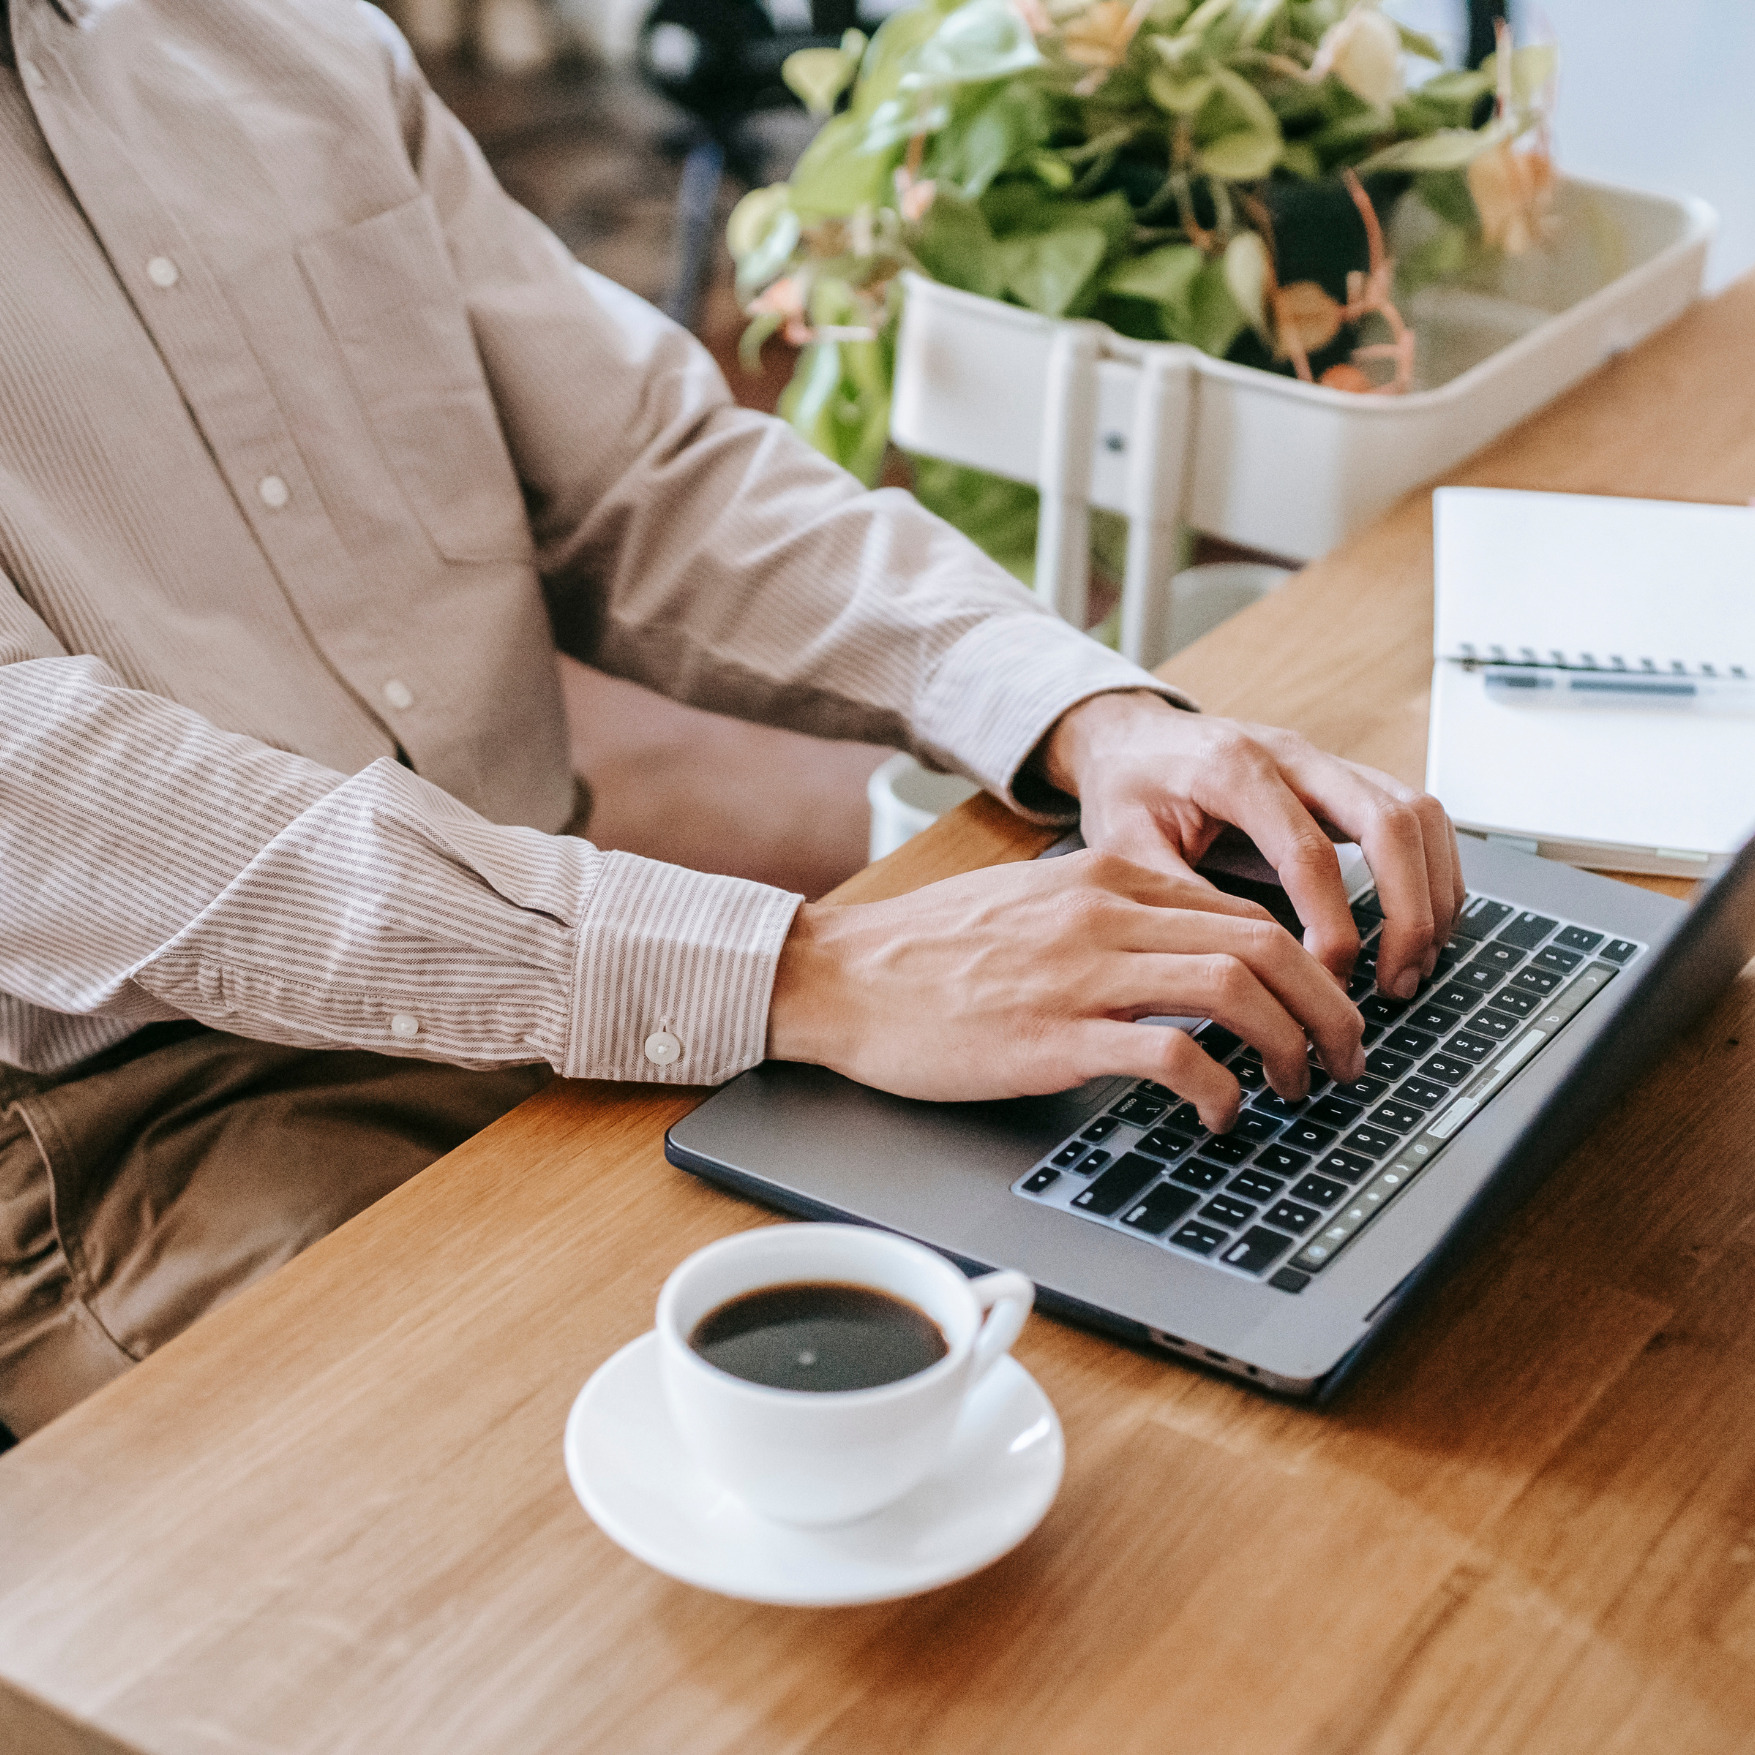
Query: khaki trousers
{"points": [[153, 1182]]}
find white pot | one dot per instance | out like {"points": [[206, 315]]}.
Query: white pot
{"points": [[906, 798]]}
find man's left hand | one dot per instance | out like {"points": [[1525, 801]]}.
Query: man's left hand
{"points": [[1156, 785]]}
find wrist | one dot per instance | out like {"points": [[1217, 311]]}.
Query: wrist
{"points": [[1092, 730], [807, 1019]]}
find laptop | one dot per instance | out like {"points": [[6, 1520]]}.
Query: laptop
{"points": [[1279, 1251]]}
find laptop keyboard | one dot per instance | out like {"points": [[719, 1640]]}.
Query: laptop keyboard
{"points": [[1293, 1183]]}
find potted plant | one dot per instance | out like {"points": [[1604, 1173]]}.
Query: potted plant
{"points": [[1219, 173]]}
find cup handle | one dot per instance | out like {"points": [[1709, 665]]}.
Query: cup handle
{"points": [[1006, 1297]]}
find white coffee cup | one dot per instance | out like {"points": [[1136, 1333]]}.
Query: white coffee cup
{"points": [[829, 1456]]}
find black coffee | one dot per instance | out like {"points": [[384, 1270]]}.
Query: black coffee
{"points": [[819, 1335]]}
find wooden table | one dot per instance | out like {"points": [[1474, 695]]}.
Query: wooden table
{"points": [[334, 1516]]}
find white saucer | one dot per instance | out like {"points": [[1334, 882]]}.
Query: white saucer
{"points": [[643, 1490]]}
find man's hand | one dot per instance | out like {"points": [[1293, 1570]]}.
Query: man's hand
{"points": [[1156, 785], [1025, 978]]}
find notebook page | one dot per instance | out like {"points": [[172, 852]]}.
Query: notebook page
{"points": [[1578, 579]]}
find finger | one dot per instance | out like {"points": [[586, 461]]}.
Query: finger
{"points": [[1260, 983], [1379, 813], [1151, 1051], [1253, 794], [1442, 859], [1160, 890]]}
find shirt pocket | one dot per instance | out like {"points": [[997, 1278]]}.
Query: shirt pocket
{"points": [[391, 300]]}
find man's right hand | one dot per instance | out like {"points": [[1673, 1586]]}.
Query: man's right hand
{"points": [[1022, 979]]}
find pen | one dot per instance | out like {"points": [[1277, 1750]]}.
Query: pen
{"points": [[1527, 686]]}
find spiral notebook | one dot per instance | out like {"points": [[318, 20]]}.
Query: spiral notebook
{"points": [[1593, 677]]}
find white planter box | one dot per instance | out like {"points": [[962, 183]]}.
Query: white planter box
{"points": [[1168, 435]]}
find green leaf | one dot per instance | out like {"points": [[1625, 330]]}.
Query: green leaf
{"points": [[989, 131], [1255, 27], [1207, 14], [895, 123], [886, 58], [1447, 150], [1180, 95], [750, 343], [1443, 256], [985, 39], [817, 77], [1051, 170], [1164, 275], [1048, 270], [754, 219], [1251, 108], [1240, 157], [1416, 42], [1300, 158], [1214, 321], [955, 244], [1531, 70], [1447, 194], [998, 516], [835, 177], [1464, 86], [1246, 269]]}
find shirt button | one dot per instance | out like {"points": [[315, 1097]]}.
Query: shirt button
{"points": [[663, 1049], [32, 75], [403, 1025], [398, 693], [274, 492], [162, 271]]}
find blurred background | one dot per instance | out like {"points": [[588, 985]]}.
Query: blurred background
{"points": [[632, 126]]}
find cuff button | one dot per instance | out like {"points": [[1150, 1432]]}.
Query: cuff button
{"points": [[403, 1025], [663, 1049]]}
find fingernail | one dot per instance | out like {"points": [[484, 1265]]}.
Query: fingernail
{"points": [[1405, 984]]}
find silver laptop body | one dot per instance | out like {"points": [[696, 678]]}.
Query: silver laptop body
{"points": [[1275, 1257]]}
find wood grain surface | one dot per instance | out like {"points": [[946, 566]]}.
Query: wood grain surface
{"points": [[333, 1517]]}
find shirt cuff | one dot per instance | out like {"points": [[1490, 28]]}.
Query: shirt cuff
{"points": [[687, 953], [1000, 690]]}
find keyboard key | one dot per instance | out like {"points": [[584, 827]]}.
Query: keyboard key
{"points": [[1146, 1088], [1319, 1189], [1360, 983], [1141, 1111], [1398, 1117], [1528, 930], [1349, 1166], [1282, 1108], [1222, 1209], [1217, 1042], [1370, 908], [1378, 1009], [1256, 1249], [1496, 1025], [1227, 1148], [1162, 1143], [1043, 1178], [1290, 1216], [1368, 1141], [1498, 955], [1405, 1041], [1561, 962], [1252, 1185], [1576, 938], [1517, 1005], [1479, 979], [1335, 1111], [1467, 1047], [1479, 916], [1454, 998], [1277, 1159], [1249, 1074], [1618, 950], [1197, 1173], [1288, 1279], [1091, 1163], [1538, 981], [1067, 1155], [1367, 1088], [1421, 1092], [1160, 1209], [1101, 1128], [1386, 1065], [1185, 1120], [1370, 1034], [1434, 1018], [1202, 1239], [1306, 1136], [1116, 1187], [1252, 1124], [1447, 1069]]}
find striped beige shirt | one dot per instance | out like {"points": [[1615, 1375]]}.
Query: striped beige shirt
{"points": [[313, 447]]}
